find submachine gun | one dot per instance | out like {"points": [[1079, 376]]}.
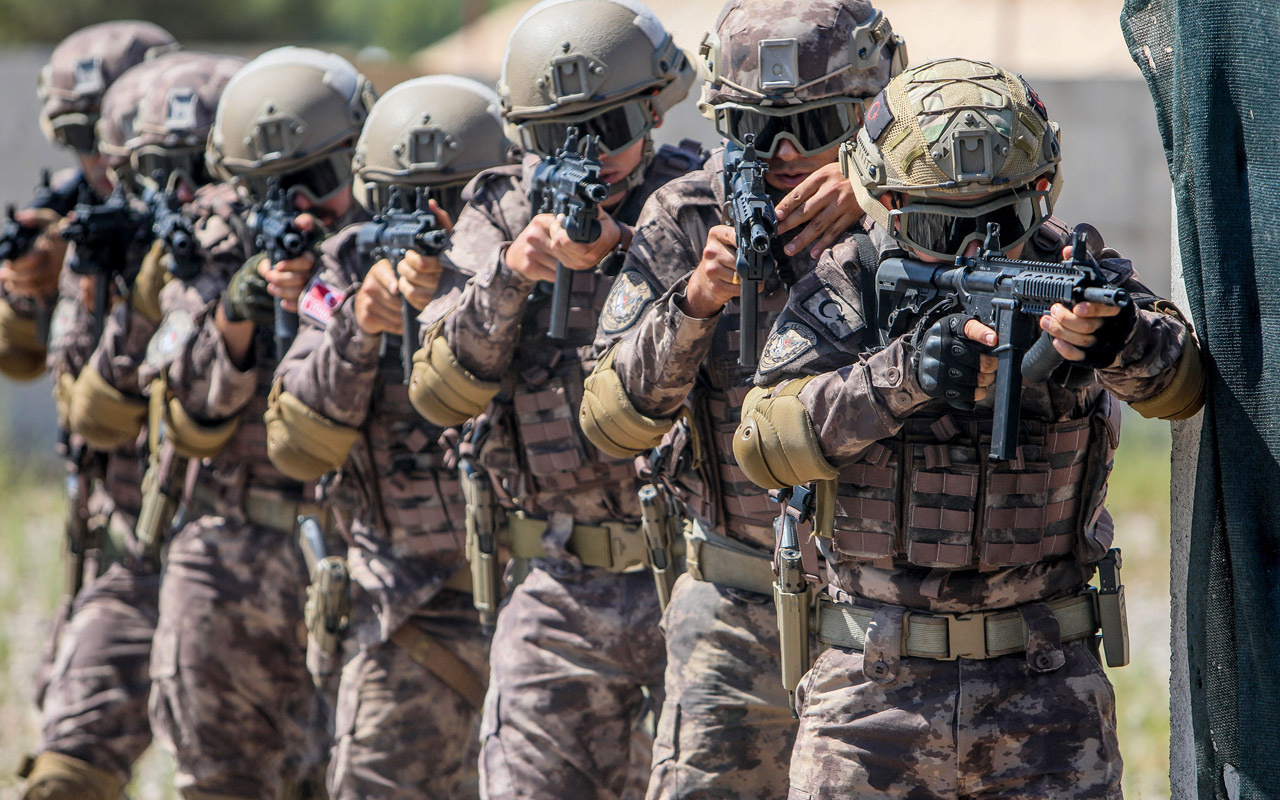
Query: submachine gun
{"points": [[751, 213], [400, 227], [171, 226], [569, 184], [276, 233], [103, 234], [1007, 295]]}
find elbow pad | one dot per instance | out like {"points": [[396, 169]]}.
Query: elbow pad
{"points": [[301, 443], [609, 419], [102, 414], [442, 390], [190, 438], [22, 355], [1184, 396], [775, 444]]}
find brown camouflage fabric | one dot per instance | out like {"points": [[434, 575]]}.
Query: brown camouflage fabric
{"points": [[1003, 727], [399, 506], [235, 703], [667, 360], [537, 743]]}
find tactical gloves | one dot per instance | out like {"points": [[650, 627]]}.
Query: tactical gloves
{"points": [[247, 298], [948, 362], [1110, 339]]}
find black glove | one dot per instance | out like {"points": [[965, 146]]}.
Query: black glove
{"points": [[1110, 338], [247, 298], [948, 362]]}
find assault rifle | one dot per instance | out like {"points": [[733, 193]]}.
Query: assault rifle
{"points": [[397, 229], [569, 183], [1007, 295], [751, 213], [276, 233], [171, 226], [103, 234]]}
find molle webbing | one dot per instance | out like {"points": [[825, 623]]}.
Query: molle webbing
{"points": [[614, 546]]}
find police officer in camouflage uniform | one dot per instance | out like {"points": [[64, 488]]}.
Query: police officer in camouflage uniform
{"points": [[94, 685], [231, 695], [577, 643], [417, 658], [726, 728], [962, 660]]}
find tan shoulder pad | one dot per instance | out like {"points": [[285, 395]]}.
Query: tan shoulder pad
{"points": [[443, 390], [609, 419], [54, 776], [302, 443], [22, 355], [775, 444], [1184, 396], [102, 414]]}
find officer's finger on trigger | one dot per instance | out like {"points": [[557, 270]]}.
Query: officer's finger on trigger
{"points": [[975, 330]]}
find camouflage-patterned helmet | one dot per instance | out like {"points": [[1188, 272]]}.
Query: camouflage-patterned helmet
{"points": [[292, 113], [83, 65], [174, 119], [117, 128], [784, 55], [436, 131], [962, 143], [579, 61]]}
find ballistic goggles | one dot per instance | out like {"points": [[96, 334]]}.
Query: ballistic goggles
{"points": [[811, 128], [447, 195], [318, 181], [75, 132], [618, 127], [944, 230], [162, 168]]}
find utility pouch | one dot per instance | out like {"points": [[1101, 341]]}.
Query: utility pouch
{"points": [[1111, 611], [328, 610], [791, 596], [482, 544], [662, 527]]}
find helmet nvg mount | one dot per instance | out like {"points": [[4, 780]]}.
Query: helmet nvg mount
{"points": [[961, 143]]}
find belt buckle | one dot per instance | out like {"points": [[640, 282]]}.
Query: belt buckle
{"points": [[966, 636], [627, 547]]}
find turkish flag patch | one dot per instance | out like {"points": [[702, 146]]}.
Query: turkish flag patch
{"points": [[878, 117], [320, 301]]}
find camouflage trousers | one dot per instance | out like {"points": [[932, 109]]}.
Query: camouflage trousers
{"points": [[957, 729], [402, 733], [93, 705], [572, 654], [726, 730], [231, 698]]}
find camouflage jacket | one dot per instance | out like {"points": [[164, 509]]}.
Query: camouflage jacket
{"points": [[396, 502], [496, 324], [913, 471], [668, 360]]}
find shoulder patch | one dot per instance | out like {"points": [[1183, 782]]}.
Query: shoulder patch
{"points": [[63, 323], [878, 117], [627, 300], [834, 313], [786, 344], [178, 327], [320, 301]]}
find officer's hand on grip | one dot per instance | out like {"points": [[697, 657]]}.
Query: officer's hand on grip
{"points": [[247, 298], [34, 274], [286, 279], [377, 303], [532, 254], [825, 204], [715, 280], [1090, 333], [419, 275], [953, 364], [580, 256]]}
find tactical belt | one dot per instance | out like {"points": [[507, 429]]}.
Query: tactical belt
{"points": [[613, 546], [262, 507], [441, 662], [715, 558], [946, 637]]}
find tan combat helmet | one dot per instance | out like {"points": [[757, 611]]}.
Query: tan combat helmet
{"points": [[439, 131], [962, 143], [797, 72], [118, 118], [174, 118], [608, 67], [292, 113], [71, 85]]}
